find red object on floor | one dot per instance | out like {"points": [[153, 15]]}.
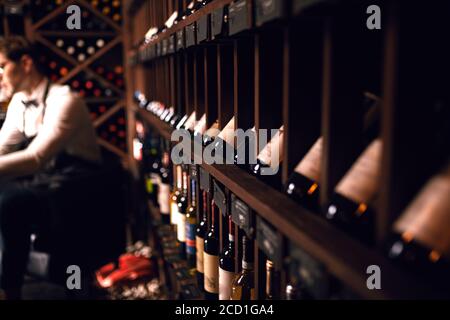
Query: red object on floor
{"points": [[131, 267]]}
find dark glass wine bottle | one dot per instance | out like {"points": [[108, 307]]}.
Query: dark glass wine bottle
{"points": [[303, 184], [224, 142], [200, 234], [211, 257], [176, 193], [182, 204], [421, 238], [227, 271], [211, 134], [152, 165], [268, 165], [243, 287], [350, 204], [272, 282], [244, 149], [191, 225], [164, 189]]}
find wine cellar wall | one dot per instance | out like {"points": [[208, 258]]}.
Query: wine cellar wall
{"points": [[356, 175], [327, 122]]}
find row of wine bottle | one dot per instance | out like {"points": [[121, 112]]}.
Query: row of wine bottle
{"points": [[195, 217], [57, 68], [79, 48], [419, 237]]}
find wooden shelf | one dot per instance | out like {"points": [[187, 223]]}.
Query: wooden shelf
{"points": [[344, 257]]}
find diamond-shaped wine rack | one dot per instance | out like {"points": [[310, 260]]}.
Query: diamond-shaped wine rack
{"points": [[88, 60]]}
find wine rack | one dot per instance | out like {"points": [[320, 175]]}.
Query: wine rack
{"points": [[307, 66], [88, 60]]}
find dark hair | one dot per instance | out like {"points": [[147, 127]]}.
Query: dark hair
{"points": [[15, 47]]}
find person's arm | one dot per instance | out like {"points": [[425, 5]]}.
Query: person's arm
{"points": [[60, 123], [10, 135]]}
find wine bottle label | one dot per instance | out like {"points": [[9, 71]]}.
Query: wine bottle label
{"points": [[200, 127], [181, 228], [174, 213], [149, 185], [310, 164], [211, 265], [190, 238], [190, 122], [241, 293], [227, 133], [199, 245], [225, 282], [137, 149], [272, 150], [164, 198], [360, 183], [427, 218]]}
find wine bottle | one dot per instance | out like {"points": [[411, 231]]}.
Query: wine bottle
{"points": [[100, 43], [200, 126], [200, 234], [182, 207], [176, 193], [421, 240], [243, 287], [303, 184], [151, 167], [224, 143], [243, 151], [191, 222], [349, 204], [211, 134], [226, 265], [60, 43], [211, 258], [190, 122], [164, 189], [272, 282], [266, 161], [295, 291], [70, 50]]}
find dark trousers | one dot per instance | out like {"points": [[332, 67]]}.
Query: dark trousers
{"points": [[23, 210]]}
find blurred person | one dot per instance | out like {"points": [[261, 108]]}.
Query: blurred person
{"points": [[47, 136]]}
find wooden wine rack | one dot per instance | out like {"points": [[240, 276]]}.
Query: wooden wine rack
{"points": [[35, 33], [280, 48]]}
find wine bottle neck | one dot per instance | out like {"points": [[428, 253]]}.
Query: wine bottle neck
{"points": [[230, 231], [193, 192], [185, 183], [247, 254], [205, 208], [179, 177], [213, 214]]}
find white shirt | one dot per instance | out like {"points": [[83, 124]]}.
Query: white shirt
{"points": [[66, 126]]}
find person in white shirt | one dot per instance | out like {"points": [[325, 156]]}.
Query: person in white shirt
{"points": [[47, 133]]}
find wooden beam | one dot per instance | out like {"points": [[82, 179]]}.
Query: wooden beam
{"points": [[113, 110]]}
